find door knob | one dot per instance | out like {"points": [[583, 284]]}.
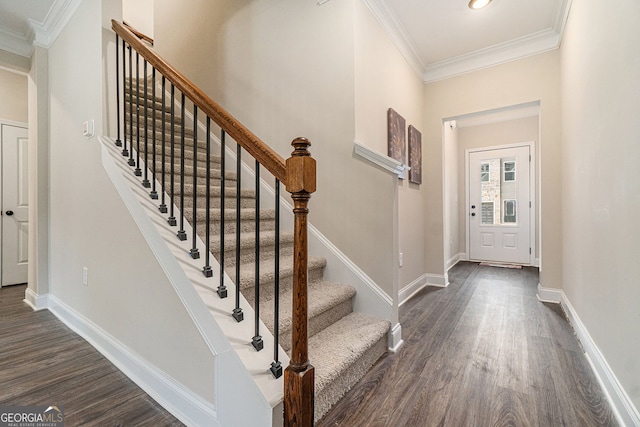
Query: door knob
{"points": [[9, 213], [473, 214], [473, 206]]}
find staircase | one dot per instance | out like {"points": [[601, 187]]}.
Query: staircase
{"points": [[343, 345]]}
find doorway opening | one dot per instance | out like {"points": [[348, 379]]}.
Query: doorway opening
{"points": [[487, 131], [14, 209]]}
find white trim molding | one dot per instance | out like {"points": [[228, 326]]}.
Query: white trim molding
{"points": [[35, 301], [623, 408], [531, 44], [188, 407], [385, 162], [437, 280], [551, 295], [39, 33], [395, 338], [411, 289], [394, 29]]}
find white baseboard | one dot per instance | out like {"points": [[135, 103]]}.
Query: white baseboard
{"points": [[185, 405], [438, 280], [549, 295], [35, 301], [395, 338], [411, 289], [451, 262], [624, 410]]}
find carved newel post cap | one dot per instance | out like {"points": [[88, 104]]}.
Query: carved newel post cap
{"points": [[301, 168]]}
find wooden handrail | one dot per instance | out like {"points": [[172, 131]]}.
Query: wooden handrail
{"points": [[260, 151], [139, 34]]}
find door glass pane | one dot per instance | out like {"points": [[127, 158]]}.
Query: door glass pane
{"points": [[498, 191]]}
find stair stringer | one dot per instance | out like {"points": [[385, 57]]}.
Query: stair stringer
{"points": [[245, 392]]}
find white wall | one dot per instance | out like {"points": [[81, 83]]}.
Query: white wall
{"points": [[601, 179], [128, 295], [536, 78], [13, 96], [285, 68], [139, 14], [384, 80]]}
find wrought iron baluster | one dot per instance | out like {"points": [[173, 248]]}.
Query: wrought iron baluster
{"points": [[207, 270], [130, 153], [182, 235], [276, 366], [163, 204], [138, 171], [154, 192], [172, 178], [145, 181], [118, 141], [195, 254], [237, 311], [257, 342], [222, 289], [125, 151]]}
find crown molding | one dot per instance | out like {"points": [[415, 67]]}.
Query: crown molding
{"points": [[47, 31], [394, 29], [14, 42], [561, 17], [41, 34], [522, 47]]}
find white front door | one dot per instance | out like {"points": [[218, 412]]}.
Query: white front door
{"points": [[15, 206], [499, 205]]}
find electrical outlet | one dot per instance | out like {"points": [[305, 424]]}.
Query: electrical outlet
{"points": [[400, 259], [85, 276]]}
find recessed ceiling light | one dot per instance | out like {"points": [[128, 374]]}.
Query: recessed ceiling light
{"points": [[478, 4]]}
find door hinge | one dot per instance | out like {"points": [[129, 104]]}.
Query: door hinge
{"points": [[529, 157], [529, 204], [529, 251]]}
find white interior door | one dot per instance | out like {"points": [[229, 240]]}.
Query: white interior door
{"points": [[499, 205], [15, 206]]}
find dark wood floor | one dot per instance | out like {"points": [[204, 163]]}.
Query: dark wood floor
{"points": [[481, 352], [42, 362]]}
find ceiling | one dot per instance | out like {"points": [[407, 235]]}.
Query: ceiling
{"points": [[444, 38], [438, 38]]}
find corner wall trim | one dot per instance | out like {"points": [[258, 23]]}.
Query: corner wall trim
{"points": [[395, 338], [624, 410], [437, 280], [186, 406], [550, 295], [35, 301]]}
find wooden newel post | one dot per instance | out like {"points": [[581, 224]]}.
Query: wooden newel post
{"points": [[299, 376]]}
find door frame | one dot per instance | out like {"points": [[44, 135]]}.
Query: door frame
{"points": [[15, 124], [533, 224]]}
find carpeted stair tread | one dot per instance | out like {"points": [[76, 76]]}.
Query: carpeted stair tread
{"points": [[230, 215], [248, 240], [322, 296], [267, 273], [336, 348], [342, 354]]}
